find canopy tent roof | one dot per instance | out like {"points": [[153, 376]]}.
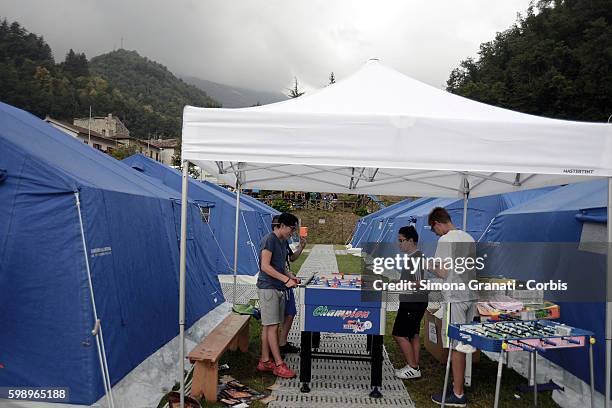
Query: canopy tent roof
{"points": [[379, 131]]}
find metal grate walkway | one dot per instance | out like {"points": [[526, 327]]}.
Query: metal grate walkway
{"points": [[336, 383]]}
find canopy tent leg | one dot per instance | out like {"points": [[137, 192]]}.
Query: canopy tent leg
{"points": [[609, 297], [466, 196], [236, 228], [468, 356], [182, 268], [97, 330]]}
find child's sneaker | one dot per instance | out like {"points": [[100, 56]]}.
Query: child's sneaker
{"points": [[283, 371], [407, 373], [266, 366]]}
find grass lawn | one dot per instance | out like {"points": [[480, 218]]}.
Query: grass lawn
{"points": [[297, 264], [349, 264]]}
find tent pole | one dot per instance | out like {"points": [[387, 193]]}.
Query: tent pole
{"points": [[466, 194], [609, 297], [238, 188], [182, 268], [97, 330]]}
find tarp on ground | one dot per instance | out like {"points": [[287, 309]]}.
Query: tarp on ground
{"points": [[131, 231], [254, 220], [554, 228]]}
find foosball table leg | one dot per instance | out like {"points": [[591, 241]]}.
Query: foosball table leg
{"points": [[316, 340], [376, 365], [305, 360], [500, 365], [448, 364], [467, 376], [530, 371], [369, 343], [591, 342], [535, 379]]}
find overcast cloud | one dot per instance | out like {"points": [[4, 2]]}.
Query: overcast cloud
{"points": [[263, 44]]}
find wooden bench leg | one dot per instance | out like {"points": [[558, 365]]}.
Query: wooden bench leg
{"points": [[233, 346], [205, 380], [243, 339]]}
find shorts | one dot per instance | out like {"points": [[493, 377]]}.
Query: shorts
{"points": [[408, 319], [290, 309], [272, 306], [456, 313]]}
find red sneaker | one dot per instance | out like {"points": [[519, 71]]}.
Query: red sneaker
{"points": [[266, 366], [283, 371]]}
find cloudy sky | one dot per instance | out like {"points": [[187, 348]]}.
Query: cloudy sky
{"points": [[263, 44]]}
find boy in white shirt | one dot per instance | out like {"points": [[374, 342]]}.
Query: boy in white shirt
{"points": [[459, 306]]}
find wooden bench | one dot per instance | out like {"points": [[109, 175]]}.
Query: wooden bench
{"points": [[231, 333]]}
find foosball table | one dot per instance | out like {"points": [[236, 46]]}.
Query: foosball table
{"points": [[335, 304], [535, 337]]}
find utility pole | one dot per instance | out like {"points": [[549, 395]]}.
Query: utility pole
{"points": [[89, 127]]}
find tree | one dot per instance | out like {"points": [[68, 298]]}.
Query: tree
{"points": [[295, 91], [76, 64], [177, 162], [124, 151], [554, 61], [332, 78]]}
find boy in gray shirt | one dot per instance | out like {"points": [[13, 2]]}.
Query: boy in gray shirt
{"points": [[272, 285]]}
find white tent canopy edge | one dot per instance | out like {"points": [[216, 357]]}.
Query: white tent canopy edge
{"points": [[369, 134]]}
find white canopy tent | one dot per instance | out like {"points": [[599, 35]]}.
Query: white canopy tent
{"points": [[381, 132]]}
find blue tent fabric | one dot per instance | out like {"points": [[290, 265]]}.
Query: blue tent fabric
{"points": [[481, 211], [548, 231], [377, 223], [362, 224], [255, 217], [131, 230]]}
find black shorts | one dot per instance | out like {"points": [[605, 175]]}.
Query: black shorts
{"points": [[408, 319]]}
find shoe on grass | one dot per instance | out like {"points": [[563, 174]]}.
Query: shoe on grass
{"points": [[283, 371], [451, 399], [408, 373], [266, 366], [289, 349]]}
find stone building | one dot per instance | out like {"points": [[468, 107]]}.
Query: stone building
{"points": [[108, 126]]}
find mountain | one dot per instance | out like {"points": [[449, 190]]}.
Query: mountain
{"points": [[150, 85], [147, 97], [231, 97]]}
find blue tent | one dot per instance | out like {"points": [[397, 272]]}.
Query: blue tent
{"points": [[125, 252], [547, 233], [380, 238], [255, 217], [363, 222], [480, 212], [378, 223]]}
